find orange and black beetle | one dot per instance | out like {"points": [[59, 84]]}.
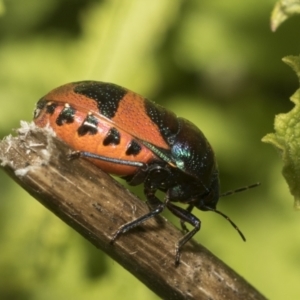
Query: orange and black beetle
{"points": [[130, 136]]}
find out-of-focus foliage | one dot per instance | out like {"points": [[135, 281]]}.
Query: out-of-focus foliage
{"points": [[1, 7], [283, 10], [215, 63], [287, 136]]}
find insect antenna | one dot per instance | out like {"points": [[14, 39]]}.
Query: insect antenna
{"points": [[240, 189], [229, 220], [230, 193]]}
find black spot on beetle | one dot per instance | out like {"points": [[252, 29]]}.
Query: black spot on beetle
{"points": [[50, 107], [88, 126], [134, 148], [66, 115], [166, 121], [107, 95], [112, 137], [44, 104]]}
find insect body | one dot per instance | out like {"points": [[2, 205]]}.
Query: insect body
{"points": [[127, 135]]}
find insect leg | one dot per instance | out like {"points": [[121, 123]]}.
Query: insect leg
{"points": [[182, 224], [185, 216], [154, 204], [126, 227], [77, 154]]}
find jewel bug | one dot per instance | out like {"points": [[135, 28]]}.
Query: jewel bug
{"points": [[130, 136]]}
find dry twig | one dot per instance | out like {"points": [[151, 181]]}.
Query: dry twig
{"points": [[95, 205]]}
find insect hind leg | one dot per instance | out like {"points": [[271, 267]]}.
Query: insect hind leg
{"points": [[77, 154]]}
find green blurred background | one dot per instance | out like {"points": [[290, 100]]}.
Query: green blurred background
{"points": [[214, 62]]}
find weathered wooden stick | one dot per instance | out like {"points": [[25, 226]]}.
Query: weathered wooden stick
{"points": [[95, 205]]}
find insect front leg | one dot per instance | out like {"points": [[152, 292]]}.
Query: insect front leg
{"points": [[182, 222], [185, 216]]}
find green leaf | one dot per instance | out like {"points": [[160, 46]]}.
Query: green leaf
{"points": [[287, 138], [283, 10]]}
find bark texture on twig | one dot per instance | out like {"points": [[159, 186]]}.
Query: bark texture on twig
{"points": [[95, 205]]}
